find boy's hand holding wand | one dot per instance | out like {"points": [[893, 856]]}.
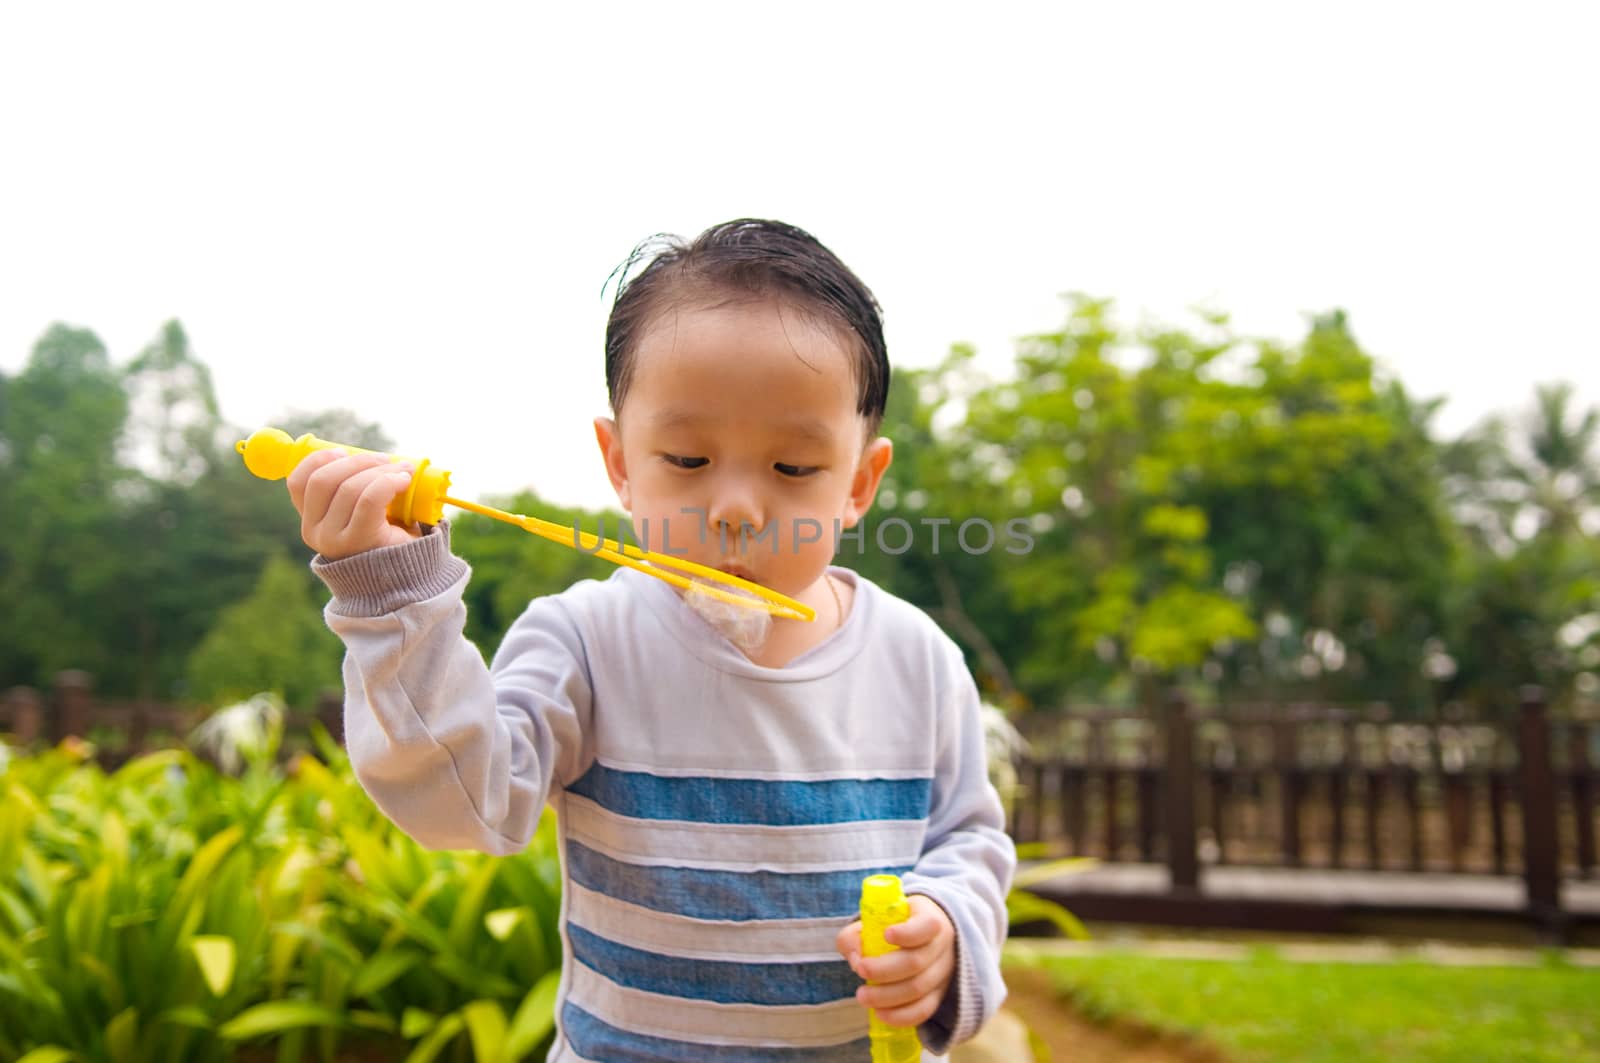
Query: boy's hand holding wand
{"points": [[905, 985]]}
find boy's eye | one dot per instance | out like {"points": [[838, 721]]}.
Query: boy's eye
{"points": [[795, 470], [682, 462]]}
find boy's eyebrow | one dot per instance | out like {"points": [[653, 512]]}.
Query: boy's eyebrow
{"points": [[809, 428]]}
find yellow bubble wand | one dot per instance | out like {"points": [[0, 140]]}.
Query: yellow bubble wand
{"points": [[272, 455], [883, 904]]}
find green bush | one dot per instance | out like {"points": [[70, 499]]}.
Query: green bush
{"points": [[169, 912]]}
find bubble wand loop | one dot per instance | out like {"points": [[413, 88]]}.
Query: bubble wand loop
{"points": [[272, 455]]}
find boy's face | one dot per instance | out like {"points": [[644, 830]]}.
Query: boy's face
{"points": [[740, 436]]}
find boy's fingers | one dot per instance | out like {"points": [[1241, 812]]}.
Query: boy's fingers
{"points": [[325, 477], [372, 506], [848, 941], [913, 1014], [900, 994], [302, 473], [920, 929], [895, 966], [359, 502]]}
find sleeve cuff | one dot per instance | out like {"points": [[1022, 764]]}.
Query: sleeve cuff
{"points": [[390, 578], [960, 1013]]}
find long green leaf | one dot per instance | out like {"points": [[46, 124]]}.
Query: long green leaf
{"points": [[486, 1024], [15, 913], [188, 1015], [474, 979], [381, 969], [122, 1036], [535, 1018], [140, 772], [468, 913], [375, 861], [49, 1054], [276, 1016], [375, 1021], [1029, 877], [216, 957], [187, 904], [435, 1042], [1024, 907]]}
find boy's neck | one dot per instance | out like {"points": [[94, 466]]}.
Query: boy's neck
{"points": [[788, 639]]}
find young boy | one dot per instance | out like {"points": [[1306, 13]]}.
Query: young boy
{"points": [[718, 806]]}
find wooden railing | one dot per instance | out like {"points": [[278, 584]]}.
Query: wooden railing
{"points": [[1270, 786], [1303, 786], [122, 729]]}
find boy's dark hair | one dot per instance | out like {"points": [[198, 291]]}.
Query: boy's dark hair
{"points": [[750, 257]]}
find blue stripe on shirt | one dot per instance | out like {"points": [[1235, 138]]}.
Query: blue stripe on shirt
{"points": [[701, 893], [725, 982], [594, 1038], [707, 799]]}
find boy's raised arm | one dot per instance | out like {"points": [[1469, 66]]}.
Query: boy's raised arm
{"points": [[459, 756], [967, 863]]}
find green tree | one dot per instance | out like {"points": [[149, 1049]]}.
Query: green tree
{"points": [[175, 424], [1203, 505], [1527, 490], [1331, 520], [274, 640], [63, 492], [928, 488], [173, 447]]}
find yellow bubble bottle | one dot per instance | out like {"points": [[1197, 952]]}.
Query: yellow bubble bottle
{"points": [[883, 904], [272, 454]]}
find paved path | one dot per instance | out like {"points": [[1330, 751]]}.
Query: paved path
{"points": [[1367, 951], [1318, 886]]}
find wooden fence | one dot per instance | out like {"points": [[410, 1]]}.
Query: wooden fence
{"points": [[123, 729], [1287, 786], [1318, 787]]}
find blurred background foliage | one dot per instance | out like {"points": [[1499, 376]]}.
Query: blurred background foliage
{"points": [[1169, 504], [173, 913]]}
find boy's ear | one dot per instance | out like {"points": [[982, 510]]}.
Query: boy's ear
{"points": [[874, 463], [609, 437]]}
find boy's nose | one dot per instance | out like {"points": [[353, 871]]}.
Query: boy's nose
{"points": [[734, 513]]}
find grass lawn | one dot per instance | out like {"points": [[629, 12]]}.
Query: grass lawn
{"points": [[1265, 1008]]}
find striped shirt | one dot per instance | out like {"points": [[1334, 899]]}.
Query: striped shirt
{"points": [[716, 817]]}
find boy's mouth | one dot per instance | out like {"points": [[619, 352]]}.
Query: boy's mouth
{"points": [[738, 571]]}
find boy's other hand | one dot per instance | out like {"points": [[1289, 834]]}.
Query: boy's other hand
{"points": [[909, 983], [342, 500]]}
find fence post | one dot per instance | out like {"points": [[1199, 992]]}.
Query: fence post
{"points": [[1583, 796], [1286, 752], [71, 705], [330, 712], [1182, 867], [1540, 853], [27, 715]]}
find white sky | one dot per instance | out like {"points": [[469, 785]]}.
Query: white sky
{"points": [[410, 210]]}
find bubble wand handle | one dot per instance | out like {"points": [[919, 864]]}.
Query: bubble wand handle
{"points": [[272, 454], [883, 904]]}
